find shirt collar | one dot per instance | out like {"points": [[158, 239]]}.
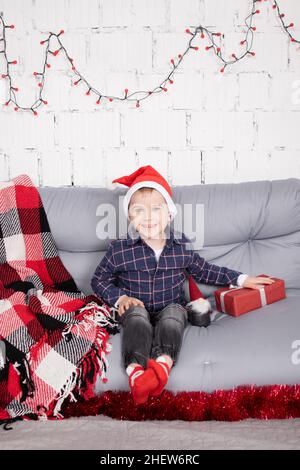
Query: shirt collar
{"points": [[169, 241]]}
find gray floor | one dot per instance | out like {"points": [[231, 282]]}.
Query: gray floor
{"points": [[100, 432]]}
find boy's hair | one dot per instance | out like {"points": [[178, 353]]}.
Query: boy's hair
{"points": [[143, 190]]}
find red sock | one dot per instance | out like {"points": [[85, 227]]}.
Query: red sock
{"points": [[142, 382], [162, 371]]}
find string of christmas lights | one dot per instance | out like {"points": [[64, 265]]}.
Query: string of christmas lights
{"points": [[137, 96]]}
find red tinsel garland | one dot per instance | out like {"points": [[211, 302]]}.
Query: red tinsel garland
{"points": [[264, 402]]}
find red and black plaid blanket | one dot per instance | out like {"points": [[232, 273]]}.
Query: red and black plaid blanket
{"points": [[55, 337]]}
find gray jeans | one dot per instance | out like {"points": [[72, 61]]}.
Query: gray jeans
{"points": [[147, 335]]}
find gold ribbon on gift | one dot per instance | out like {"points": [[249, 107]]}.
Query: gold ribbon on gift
{"points": [[261, 291]]}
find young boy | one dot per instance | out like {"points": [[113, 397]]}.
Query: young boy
{"points": [[143, 274]]}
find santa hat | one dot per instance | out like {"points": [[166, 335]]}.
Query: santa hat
{"points": [[198, 307], [146, 176], [195, 292]]}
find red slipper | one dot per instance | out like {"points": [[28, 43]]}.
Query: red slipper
{"points": [[162, 371], [142, 385]]}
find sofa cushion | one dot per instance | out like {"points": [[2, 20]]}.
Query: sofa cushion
{"points": [[254, 349], [253, 227]]}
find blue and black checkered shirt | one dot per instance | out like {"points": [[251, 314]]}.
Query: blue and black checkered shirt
{"points": [[130, 267]]}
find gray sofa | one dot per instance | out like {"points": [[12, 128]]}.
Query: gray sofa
{"points": [[253, 227]]}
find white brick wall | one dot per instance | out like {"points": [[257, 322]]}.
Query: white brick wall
{"points": [[209, 127]]}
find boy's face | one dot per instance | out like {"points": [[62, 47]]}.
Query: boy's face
{"points": [[149, 213]]}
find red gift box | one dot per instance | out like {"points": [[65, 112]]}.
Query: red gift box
{"points": [[238, 300]]}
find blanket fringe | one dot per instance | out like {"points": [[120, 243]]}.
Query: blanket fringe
{"points": [[66, 391], [102, 315], [21, 365], [81, 382], [26, 381], [93, 364]]}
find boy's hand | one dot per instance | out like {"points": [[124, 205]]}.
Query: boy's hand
{"points": [[125, 302], [256, 282]]}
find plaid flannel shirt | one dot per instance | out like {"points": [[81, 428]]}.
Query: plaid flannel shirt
{"points": [[129, 267]]}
